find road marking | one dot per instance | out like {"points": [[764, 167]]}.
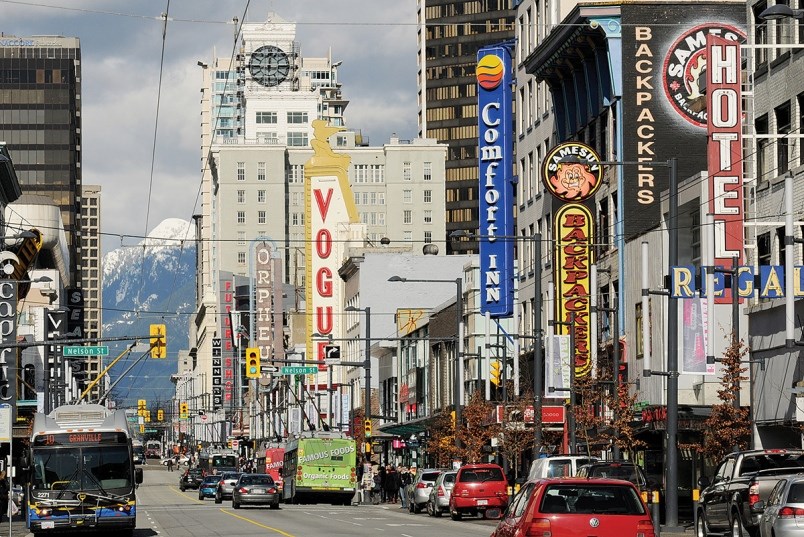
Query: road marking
{"points": [[256, 523]]}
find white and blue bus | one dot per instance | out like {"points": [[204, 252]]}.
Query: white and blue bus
{"points": [[82, 473]]}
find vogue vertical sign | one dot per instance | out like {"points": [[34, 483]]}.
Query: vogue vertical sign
{"points": [[496, 190], [724, 150]]}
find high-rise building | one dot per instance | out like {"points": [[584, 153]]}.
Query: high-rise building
{"points": [[40, 120], [450, 34], [91, 272]]}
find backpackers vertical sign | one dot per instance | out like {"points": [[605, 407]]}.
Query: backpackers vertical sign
{"points": [[496, 189], [724, 150]]}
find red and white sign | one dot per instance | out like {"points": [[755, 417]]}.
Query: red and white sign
{"points": [[235, 443], [550, 414], [724, 150]]}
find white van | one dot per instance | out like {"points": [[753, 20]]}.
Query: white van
{"points": [[558, 466]]}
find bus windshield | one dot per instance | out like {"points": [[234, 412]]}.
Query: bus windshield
{"points": [[88, 468]]}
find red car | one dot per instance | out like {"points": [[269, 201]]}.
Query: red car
{"points": [[479, 488], [576, 507]]}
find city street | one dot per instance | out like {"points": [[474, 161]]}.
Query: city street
{"points": [[165, 510]]}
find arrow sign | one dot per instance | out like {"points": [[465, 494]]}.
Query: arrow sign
{"points": [[332, 354]]}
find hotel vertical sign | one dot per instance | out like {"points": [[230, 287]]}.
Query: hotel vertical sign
{"points": [[496, 191], [724, 151]]}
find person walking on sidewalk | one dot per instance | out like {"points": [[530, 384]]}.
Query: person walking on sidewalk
{"points": [[391, 484], [404, 481]]}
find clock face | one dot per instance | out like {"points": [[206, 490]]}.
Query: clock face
{"points": [[269, 65]]}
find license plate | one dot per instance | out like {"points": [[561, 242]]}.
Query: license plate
{"points": [[48, 525], [258, 491], [482, 502]]}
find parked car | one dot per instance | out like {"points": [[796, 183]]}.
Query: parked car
{"points": [[558, 466], [255, 489], [226, 486], [208, 487], [419, 490], [625, 470], [191, 479], [183, 459], [743, 480], [784, 510], [438, 501], [572, 506], [479, 489]]}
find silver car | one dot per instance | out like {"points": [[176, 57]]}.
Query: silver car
{"points": [[226, 486], [255, 489], [438, 502], [784, 509], [420, 488]]}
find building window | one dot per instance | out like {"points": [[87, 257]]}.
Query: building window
{"points": [[361, 173], [407, 236], [428, 237], [428, 196], [261, 196], [764, 249], [260, 171], [297, 139], [760, 35], [763, 148], [603, 226], [266, 118], [640, 344], [241, 171], [241, 238], [377, 173], [407, 196], [241, 258], [428, 217], [294, 174], [297, 118], [407, 216], [261, 217], [297, 219], [241, 217], [428, 171], [241, 197], [406, 173], [783, 125], [695, 231], [380, 198]]}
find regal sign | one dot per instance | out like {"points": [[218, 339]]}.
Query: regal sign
{"points": [[574, 231], [496, 189]]}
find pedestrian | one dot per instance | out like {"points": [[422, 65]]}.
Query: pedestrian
{"points": [[391, 484], [376, 489], [170, 464], [381, 472], [404, 481]]}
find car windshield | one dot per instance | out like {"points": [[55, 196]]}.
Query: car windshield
{"points": [[256, 480], [626, 472], [767, 461], [590, 498], [88, 468], [430, 476], [211, 479], [481, 475]]}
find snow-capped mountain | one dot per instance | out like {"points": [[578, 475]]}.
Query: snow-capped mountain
{"points": [[152, 282]]}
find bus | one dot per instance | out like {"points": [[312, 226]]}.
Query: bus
{"points": [[218, 462], [82, 471], [273, 461], [319, 467]]}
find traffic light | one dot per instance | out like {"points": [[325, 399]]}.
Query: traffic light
{"points": [[495, 373], [160, 415], [142, 428], [367, 425], [147, 416], [184, 411], [158, 341], [141, 407], [253, 362]]}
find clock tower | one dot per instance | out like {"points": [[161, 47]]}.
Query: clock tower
{"points": [[269, 56]]}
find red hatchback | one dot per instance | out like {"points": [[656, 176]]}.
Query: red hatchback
{"points": [[575, 507], [479, 488]]}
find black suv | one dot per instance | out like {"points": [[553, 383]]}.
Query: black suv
{"points": [[191, 479]]}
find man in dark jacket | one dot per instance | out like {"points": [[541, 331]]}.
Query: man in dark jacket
{"points": [[391, 485], [382, 473], [404, 481]]}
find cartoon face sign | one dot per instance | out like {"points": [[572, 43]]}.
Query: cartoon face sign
{"points": [[572, 171], [573, 181]]}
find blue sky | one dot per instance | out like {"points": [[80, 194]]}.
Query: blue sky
{"points": [[121, 44]]}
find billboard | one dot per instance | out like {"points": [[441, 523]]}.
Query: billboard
{"points": [[664, 97], [496, 188]]}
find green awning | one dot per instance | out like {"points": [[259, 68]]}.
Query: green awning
{"points": [[407, 428]]}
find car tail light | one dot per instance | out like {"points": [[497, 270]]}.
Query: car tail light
{"points": [[753, 493], [539, 527], [243, 490], [271, 490], [221, 483], [440, 491], [791, 512], [421, 485], [645, 528]]}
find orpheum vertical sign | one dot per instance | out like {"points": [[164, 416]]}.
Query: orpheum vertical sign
{"points": [[330, 208], [268, 303], [724, 151], [495, 144]]}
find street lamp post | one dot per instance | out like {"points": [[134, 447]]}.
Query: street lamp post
{"points": [[456, 384], [366, 361]]}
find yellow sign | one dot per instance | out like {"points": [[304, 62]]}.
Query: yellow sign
{"points": [[409, 319]]}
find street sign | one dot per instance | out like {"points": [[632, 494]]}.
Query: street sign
{"points": [[86, 351], [332, 354], [299, 370]]}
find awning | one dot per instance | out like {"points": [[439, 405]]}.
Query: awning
{"points": [[408, 428]]}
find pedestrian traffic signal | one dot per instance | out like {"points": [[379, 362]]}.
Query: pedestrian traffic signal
{"points": [[495, 373], [160, 415], [253, 362], [368, 428], [184, 411], [158, 341]]}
